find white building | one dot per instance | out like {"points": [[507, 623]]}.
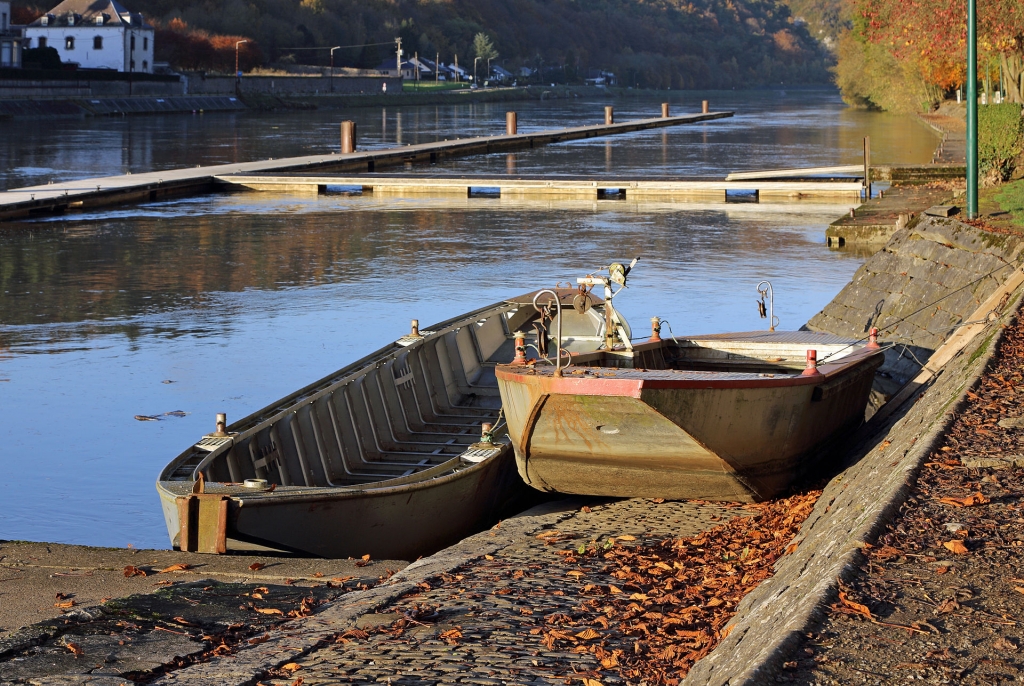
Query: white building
{"points": [[10, 38], [95, 34]]}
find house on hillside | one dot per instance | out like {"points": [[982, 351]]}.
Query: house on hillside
{"points": [[10, 38], [500, 74], [95, 34]]}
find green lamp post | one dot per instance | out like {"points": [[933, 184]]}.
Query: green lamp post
{"points": [[972, 109]]}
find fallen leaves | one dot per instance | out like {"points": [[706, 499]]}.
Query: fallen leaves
{"points": [[179, 567], [855, 608], [64, 605], [75, 649], [256, 566], [269, 611], [671, 599], [955, 546], [363, 561], [131, 571], [970, 501]]}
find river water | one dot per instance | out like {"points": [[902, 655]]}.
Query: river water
{"points": [[225, 303]]}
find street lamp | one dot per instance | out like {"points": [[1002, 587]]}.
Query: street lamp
{"points": [[488, 67], [972, 110], [238, 74], [332, 66], [475, 60]]}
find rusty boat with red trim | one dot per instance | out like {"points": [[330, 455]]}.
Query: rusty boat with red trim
{"points": [[730, 417]]}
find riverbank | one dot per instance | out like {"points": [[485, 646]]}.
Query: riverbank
{"points": [[89, 106], [571, 589]]}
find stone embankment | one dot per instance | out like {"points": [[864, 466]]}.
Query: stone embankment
{"points": [[927, 281]]}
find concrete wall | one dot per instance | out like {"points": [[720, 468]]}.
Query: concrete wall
{"points": [[84, 89], [291, 85]]}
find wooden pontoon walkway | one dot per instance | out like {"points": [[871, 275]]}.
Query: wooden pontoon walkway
{"points": [[561, 187], [112, 190]]}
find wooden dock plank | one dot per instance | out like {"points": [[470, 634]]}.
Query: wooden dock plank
{"points": [[855, 170], [111, 190]]}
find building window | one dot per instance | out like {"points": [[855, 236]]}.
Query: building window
{"points": [[69, 43], [132, 46], [42, 41], [97, 43], [145, 43]]}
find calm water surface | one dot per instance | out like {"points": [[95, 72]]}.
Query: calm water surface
{"points": [[226, 303]]}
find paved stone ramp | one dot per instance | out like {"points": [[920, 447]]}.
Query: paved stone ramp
{"points": [[493, 602], [852, 511]]}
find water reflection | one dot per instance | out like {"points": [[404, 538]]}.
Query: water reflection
{"points": [[770, 129]]}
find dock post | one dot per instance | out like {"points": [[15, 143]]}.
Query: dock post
{"points": [[348, 136], [664, 110], [704, 107], [609, 115], [511, 124], [867, 166]]}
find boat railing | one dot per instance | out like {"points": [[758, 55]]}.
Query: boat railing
{"points": [[558, 336]]}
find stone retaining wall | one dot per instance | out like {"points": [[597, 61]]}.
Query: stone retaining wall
{"points": [[924, 283]]}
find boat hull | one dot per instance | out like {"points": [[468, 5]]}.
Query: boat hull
{"points": [[400, 522], [651, 437]]}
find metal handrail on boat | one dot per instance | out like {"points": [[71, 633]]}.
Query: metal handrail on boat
{"points": [[558, 337]]}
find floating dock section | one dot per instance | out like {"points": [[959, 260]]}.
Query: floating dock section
{"points": [[575, 188], [150, 186]]}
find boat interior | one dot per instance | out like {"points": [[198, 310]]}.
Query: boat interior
{"points": [[416, 405], [755, 352]]}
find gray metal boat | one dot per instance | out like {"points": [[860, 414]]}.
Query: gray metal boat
{"points": [[396, 455]]}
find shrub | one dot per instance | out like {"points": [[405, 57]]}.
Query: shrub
{"points": [[41, 58], [1000, 139]]}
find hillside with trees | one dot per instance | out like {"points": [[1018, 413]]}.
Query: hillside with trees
{"points": [[647, 43]]}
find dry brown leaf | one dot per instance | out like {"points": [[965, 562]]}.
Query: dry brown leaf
{"points": [[256, 566], [259, 639], [318, 575], [591, 682], [955, 546], [451, 634], [575, 572], [179, 567], [291, 667], [65, 604], [587, 634], [130, 571], [268, 611], [970, 501], [856, 607], [614, 590], [625, 537], [75, 649]]}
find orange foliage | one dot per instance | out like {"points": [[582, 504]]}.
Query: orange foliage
{"points": [[187, 48]]}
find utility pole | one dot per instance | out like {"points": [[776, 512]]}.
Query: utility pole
{"points": [[437, 68], [972, 109], [398, 56], [475, 60]]}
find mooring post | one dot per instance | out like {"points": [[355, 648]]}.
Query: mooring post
{"points": [[867, 166], [348, 136], [511, 124], [609, 115], [664, 110], [704, 107]]}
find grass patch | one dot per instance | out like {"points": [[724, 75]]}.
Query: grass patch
{"points": [[1011, 199]]}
